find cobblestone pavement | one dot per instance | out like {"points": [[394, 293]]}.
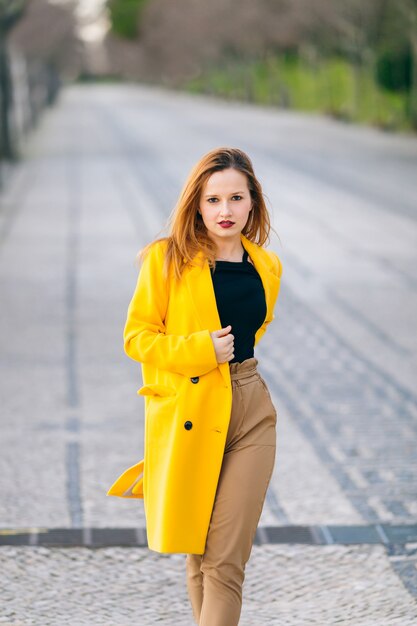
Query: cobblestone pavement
{"points": [[311, 585], [101, 174]]}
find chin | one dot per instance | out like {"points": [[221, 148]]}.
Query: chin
{"points": [[226, 233]]}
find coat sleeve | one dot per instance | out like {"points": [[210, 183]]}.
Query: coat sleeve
{"points": [[145, 339], [268, 320]]}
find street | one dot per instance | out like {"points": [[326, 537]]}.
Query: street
{"points": [[100, 175]]}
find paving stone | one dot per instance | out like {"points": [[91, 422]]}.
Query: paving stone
{"points": [[294, 585]]}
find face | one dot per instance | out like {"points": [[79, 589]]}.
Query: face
{"points": [[225, 204]]}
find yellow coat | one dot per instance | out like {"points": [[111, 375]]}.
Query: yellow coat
{"points": [[188, 395]]}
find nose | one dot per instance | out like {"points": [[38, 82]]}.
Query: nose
{"points": [[225, 210]]}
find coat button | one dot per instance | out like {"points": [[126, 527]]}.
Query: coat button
{"points": [[188, 425], [195, 379]]}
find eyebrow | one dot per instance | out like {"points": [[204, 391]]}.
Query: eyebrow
{"points": [[208, 195]]}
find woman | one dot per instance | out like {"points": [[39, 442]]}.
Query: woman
{"points": [[204, 297]]}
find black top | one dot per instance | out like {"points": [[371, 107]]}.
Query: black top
{"points": [[240, 298]]}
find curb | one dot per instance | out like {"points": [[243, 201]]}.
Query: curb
{"points": [[136, 537]]}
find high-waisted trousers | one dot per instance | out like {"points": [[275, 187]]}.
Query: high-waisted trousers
{"points": [[215, 579]]}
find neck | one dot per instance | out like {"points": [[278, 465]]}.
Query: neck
{"points": [[229, 250], [230, 254]]}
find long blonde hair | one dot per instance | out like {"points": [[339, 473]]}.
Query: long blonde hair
{"points": [[187, 231]]}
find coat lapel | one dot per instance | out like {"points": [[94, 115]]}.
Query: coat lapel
{"points": [[265, 268], [203, 299], [202, 296]]}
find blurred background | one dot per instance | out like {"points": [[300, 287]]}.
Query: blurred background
{"points": [[104, 109], [352, 60]]}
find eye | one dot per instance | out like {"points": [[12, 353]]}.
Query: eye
{"points": [[209, 199], [237, 196]]}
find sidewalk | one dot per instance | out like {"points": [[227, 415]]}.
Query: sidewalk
{"points": [[285, 585], [102, 172]]}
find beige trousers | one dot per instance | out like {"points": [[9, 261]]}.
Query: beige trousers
{"points": [[215, 579]]}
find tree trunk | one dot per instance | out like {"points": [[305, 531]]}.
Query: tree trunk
{"points": [[413, 86], [6, 144]]}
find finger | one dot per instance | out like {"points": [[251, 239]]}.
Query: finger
{"points": [[224, 331], [226, 341]]}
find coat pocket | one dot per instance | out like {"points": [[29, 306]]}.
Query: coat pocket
{"points": [[154, 389], [268, 393], [130, 483]]}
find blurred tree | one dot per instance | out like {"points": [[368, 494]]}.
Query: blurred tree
{"points": [[410, 11], [358, 27], [38, 44], [47, 35], [188, 39], [405, 44], [10, 12], [394, 68], [125, 17], [396, 52]]}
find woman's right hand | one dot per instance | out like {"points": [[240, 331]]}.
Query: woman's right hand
{"points": [[223, 342]]}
